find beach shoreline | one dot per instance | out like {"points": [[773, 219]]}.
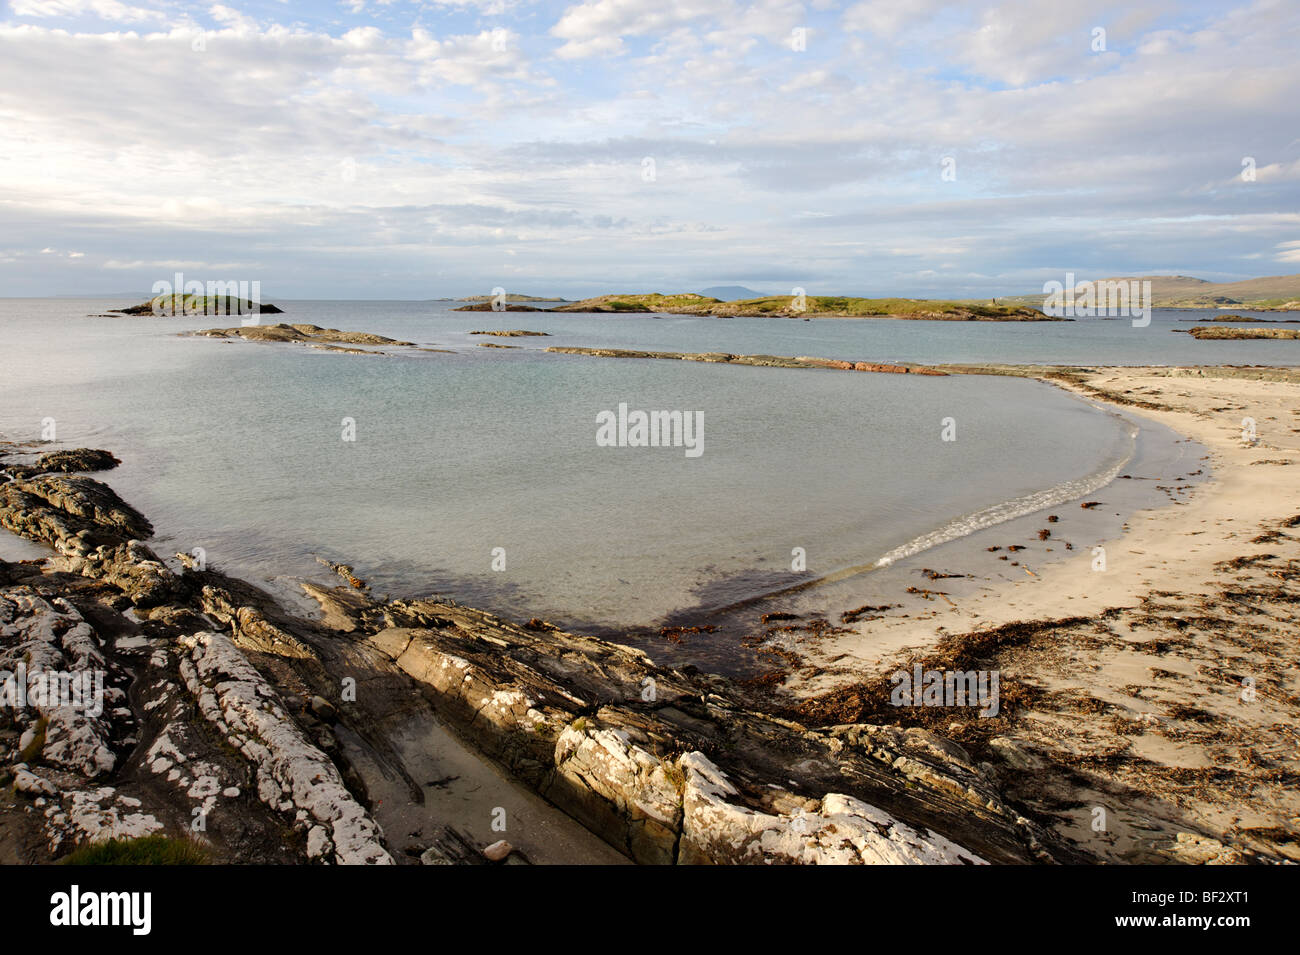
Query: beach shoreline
{"points": [[1184, 698], [1150, 712], [1148, 530], [1124, 689]]}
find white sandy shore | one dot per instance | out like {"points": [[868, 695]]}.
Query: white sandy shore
{"points": [[1146, 707], [1171, 547]]}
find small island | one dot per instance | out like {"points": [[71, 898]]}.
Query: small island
{"points": [[513, 298], [1206, 332], [173, 305], [811, 306], [327, 339]]}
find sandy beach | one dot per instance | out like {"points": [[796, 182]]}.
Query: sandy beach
{"points": [[1150, 708]]}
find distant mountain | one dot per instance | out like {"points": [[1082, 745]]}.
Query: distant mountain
{"points": [[1184, 291], [730, 293]]}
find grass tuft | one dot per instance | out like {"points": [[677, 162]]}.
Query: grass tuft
{"points": [[146, 850]]}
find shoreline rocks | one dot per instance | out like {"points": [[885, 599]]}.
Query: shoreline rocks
{"points": [[137, 760], [602, 732], [667, 766]]}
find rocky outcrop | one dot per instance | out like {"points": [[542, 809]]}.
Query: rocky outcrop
{"points": [[514, 333], [199, 305], [666, 765], [61, 510], [1245, 319], [488, 307], [93, 530], [837, 830], [1207, 332], [763, 361], [312, 335], [673, 766], [48, 640], [200, 727], [66, 462], [293, 775]]}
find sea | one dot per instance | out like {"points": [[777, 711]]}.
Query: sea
{"points": [[475, 473]]}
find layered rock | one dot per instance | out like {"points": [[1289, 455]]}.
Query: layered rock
{"points": [[108, 765], [668, 766], [67, 462], [671, 766], [1211, 333], [292, 774], [304, 334]]}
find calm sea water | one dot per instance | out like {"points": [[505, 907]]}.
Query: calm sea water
{"points": [[237, 447]]}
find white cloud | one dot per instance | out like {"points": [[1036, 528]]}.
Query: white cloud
{"points": [[1290, 253], [357, 151], [599, 26], [112, 10], [239, 22], [471, 60], [887, 18]]}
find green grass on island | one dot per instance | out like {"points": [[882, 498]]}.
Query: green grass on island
{"points": [[146, 850], [852, 307], [199, 305], [811, 306]]}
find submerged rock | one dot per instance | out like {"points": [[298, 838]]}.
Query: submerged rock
{"points": [[487, 307], [514, 333], [67, 462], [765, 361]]}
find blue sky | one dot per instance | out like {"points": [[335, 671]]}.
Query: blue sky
{"points": [[412, 150]]}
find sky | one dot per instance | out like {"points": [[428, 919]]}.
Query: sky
{"points": [[378, 149]]}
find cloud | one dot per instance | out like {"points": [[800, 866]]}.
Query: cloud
{"points": [[371, 158], [599, 26], [1290, 251], [487, 57], [887, 19], [111, 10]]}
